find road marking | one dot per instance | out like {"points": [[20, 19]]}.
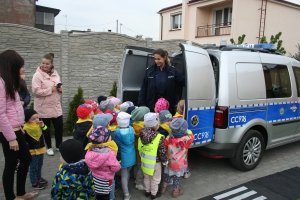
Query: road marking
{"points": [[244, 196], [221, 196], [260, 198]]}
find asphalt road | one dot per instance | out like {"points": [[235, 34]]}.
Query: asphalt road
{"points": [[209, 176]]}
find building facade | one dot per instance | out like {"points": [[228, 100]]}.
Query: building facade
{"points": [[26, 12], [217, 21]]}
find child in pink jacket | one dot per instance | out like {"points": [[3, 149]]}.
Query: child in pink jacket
{"points": [[102, 161]]}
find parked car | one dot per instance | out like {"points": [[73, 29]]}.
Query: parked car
{"points": [[239, 100]]}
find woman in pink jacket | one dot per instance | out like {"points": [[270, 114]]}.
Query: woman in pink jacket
{"points": [[47, 90], [11, 120]]}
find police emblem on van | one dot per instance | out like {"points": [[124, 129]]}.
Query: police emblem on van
{"points": [[281, 111], [195, 120]]}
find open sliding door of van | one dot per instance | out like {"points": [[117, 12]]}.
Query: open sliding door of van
{"points": [[201, 94], [132, 71]]}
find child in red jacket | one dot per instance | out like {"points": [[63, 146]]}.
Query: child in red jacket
{"points": [[177, 147]]}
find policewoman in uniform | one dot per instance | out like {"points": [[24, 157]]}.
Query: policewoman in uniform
{"points": [[160, 80]]}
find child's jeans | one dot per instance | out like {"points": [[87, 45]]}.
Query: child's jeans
{"points": [[152, 182], [35, 168], [125, 175], [112, 192]]}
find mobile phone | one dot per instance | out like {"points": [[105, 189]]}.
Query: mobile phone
{"points": [[59, 85]]}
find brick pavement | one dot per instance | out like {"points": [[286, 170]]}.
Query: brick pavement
{"points": [[208, 175]]}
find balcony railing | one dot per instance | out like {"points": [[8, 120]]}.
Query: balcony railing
{"points": [[214, 30]]}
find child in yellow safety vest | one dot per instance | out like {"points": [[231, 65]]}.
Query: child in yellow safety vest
{"points": [[137, 116], [153, 152]]}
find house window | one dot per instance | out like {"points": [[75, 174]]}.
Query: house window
{"points": [[176, 21], [44, 18], [223, 16]]}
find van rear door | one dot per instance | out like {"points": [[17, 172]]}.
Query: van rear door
{"points": [[200, 94], [132, 71]]}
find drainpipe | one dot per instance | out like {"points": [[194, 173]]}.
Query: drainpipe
{"points": [[161, 26]]}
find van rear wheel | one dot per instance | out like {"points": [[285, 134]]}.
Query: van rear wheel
{"points": [[249, 151]]}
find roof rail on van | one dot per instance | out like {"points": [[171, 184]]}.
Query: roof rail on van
{"points": [[264, 48], [139, 48]]}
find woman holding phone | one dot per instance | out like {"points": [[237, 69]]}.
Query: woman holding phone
{"points": [[47, 91]]}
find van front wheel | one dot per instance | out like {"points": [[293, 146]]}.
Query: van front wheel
{"points": [[249, 151]]}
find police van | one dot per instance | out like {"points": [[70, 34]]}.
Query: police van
{"points": [[239, 100]]}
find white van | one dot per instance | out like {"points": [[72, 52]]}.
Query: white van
{"points": [[239, 101]]}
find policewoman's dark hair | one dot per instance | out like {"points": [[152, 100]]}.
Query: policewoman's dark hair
{"points": [[10, 64], [162, 53]]}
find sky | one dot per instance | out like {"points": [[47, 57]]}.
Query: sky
{"points": [[135, 17]]}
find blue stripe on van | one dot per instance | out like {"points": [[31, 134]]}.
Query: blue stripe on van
{"points": [[272, 113], [201, 122]]}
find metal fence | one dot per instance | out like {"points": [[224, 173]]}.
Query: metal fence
{"points": [[214, 30]]}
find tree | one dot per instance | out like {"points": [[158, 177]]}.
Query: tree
{"points": [[240, 39], [72, 116], [275, 40], [297, 55], [113, 91]]}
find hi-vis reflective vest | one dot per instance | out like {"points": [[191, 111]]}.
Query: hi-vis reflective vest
{"points": [[148, 153]]}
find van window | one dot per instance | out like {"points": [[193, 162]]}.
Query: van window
{"points": [[297, 77], [247, 88], [278, 83], [215, 64]]}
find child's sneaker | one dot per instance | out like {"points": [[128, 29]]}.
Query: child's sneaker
{"points": [[50, 152], [187, 175], [127, 197], [38, 186], [139, 187]]}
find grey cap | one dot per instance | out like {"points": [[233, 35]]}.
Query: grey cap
{"points": [[151, 119], [179, 125], [165, 116], [102, 120], [106, 105], [124, 106]]}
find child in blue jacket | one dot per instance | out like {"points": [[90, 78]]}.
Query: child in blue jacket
{"points": [[124, 137]]}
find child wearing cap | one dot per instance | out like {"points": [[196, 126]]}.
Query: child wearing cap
{"points": [[137, 116], [33, 129], [116, 102], [180, 114], [103, 120], [94, 105], [83, 126], [102, 161], [177, 148], [179, 109], [73, 180], [153, 152], [165, 118], [161, 104], [124, 106], [124, 137]]}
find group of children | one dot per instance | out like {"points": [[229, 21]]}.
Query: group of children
{"points": [[109, 138]]}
